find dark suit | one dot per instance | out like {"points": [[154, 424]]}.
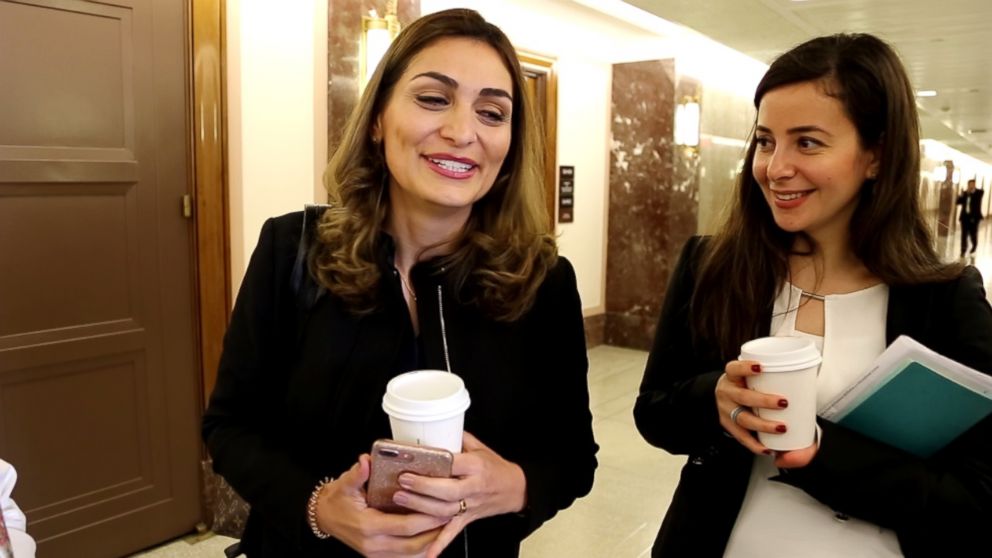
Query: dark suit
{"points": [[970, 215], [936, 506], [299, 393]]}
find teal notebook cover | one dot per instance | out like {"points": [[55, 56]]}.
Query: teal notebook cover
{"points": [[918, 410]]}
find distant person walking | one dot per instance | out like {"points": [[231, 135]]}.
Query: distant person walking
{"points": [[971, 213]]}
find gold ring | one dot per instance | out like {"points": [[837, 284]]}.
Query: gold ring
{"points": [[462, 507]]}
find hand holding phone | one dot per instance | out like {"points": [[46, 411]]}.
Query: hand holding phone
{"points": [[390, 459]]}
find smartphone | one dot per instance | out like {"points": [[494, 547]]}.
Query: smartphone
{"points": [[390, 459]]}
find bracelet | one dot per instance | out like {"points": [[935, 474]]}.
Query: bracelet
{"points": [[312, 509]]}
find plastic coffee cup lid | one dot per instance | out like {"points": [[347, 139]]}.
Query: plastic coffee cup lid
{"points": [[425, 396], [781, 354]]}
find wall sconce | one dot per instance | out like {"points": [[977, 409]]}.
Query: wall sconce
{"points": [[377, 34], [687, 122]]}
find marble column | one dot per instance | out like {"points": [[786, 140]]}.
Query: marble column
{"points": [[344, 30], [653, 199]]}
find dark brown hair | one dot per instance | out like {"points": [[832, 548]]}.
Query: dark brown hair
{"points": [[748, 260], [506, 247]]}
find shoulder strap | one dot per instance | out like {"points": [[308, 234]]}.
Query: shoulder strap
{"points": [[307, 290]]}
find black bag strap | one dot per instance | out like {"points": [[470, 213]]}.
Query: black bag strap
{"points": [[307, 290]]}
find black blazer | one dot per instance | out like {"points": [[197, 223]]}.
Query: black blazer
{"points": [[971, 205], [299, 393], [937, 506]]}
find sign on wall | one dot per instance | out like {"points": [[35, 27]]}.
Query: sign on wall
{"points": [[566, 193]]}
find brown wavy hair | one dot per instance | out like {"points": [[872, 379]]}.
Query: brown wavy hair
{"points": [[746, 263], [506, 247]]}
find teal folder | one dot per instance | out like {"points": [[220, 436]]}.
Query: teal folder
{"points": [[918, 410]]}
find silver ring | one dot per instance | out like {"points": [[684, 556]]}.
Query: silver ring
{"points": [[462, 507], [736, 413]]}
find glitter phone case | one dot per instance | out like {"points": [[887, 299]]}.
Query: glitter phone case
{"points": [[390, 459]]}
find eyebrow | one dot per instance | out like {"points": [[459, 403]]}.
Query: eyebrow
{"points": [[447, 80], [796, 130]]}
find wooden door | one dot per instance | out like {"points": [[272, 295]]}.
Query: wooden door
{"points": [[99, 398]]}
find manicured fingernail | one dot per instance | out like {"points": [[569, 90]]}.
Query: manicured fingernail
{"points": [[783, 403], [401, 498], [755, 368], [768, 452], [780, 428], [405, 481]]}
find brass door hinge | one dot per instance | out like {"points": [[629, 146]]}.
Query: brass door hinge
{"points": [[187, 206]]}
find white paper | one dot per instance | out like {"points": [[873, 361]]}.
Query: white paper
{"points": [[896, 356]]}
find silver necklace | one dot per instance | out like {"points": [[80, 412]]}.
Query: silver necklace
{"points": [[814, 296], [406, 286]]}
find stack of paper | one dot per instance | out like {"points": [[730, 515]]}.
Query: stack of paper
{"points": [[914, 399]]}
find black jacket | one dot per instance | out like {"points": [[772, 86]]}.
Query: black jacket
{"points": [[971, 206], [299, 393], [937, 506]]}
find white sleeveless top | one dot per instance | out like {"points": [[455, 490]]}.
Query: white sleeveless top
{"points": [[778, 520]]}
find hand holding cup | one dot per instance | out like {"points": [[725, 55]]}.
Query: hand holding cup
{"points": [[788, 367]]}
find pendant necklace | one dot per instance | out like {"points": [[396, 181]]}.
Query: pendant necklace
{"points": [[814, 296]]}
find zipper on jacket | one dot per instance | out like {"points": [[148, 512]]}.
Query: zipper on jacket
{"points": [[447, 363], [444, 333]]}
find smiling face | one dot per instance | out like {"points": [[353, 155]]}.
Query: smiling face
{"points": [[809, 160], [446, 127]]}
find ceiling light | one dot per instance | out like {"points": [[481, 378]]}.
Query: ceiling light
{"points": [[926, 93]]}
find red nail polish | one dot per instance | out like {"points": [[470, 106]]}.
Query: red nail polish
{"points": [[755, 368], [783, 403], [780, 428], [768, 452]]}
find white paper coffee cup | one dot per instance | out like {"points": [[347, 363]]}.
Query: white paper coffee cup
{"points": [[788, 368], [427, 408]]}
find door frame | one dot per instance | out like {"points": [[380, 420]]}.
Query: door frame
{"points": [[542, 70], [210, 195]]}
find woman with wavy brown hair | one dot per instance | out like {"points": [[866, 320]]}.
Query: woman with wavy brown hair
{"points": [[825, 240], [435, 253]]}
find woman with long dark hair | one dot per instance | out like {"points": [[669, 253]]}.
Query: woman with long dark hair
{"points": [[825, 240]]}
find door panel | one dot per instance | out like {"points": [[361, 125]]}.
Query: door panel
{"points": [[99, 403]]}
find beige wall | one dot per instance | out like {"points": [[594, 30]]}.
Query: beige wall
{"points": [[276, 72], [726, 122]]}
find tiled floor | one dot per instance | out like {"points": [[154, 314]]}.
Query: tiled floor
{"points": [[634, 482]]}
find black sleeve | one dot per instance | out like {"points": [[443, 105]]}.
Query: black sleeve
{"points": [[935, 505], [242, 421], [676, 407], [562, 465]]}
